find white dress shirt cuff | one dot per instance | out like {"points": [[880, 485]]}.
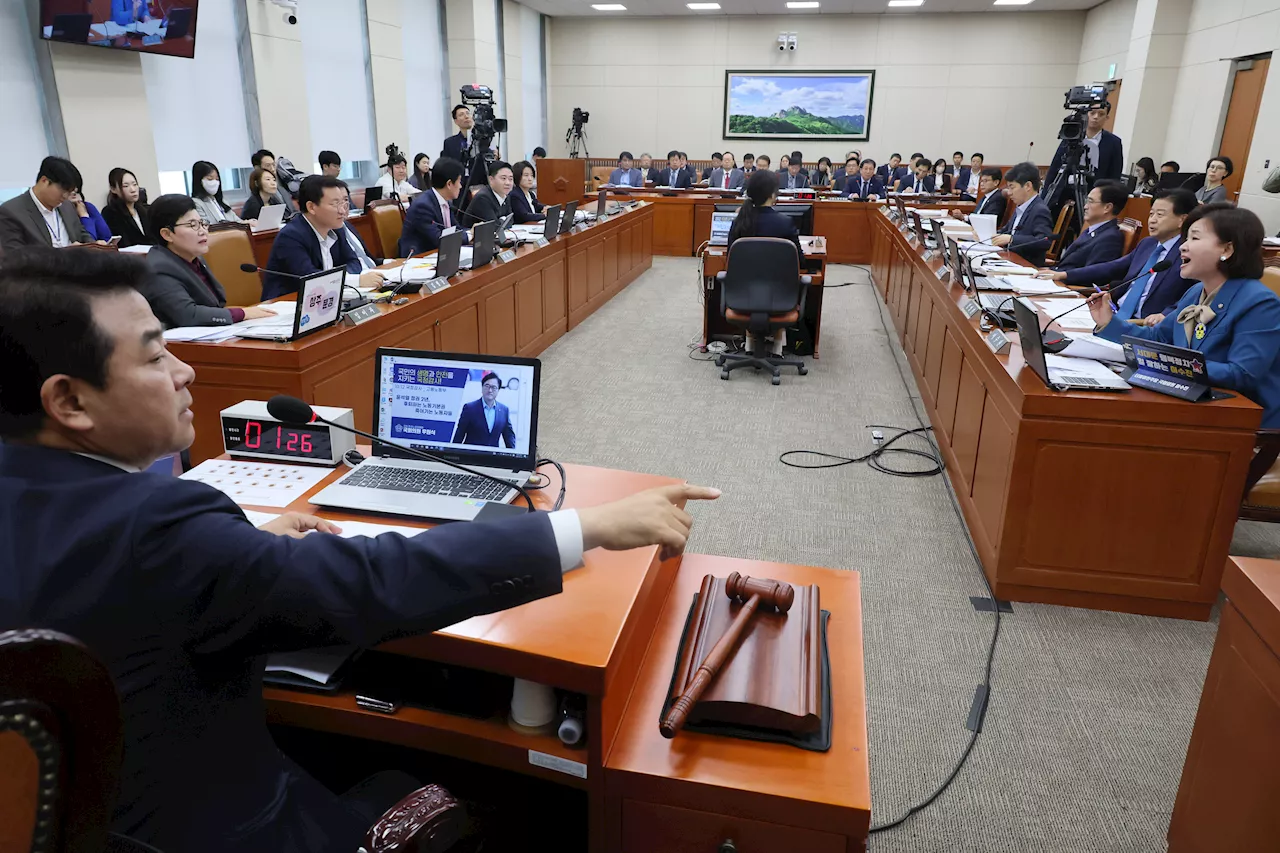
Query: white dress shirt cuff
{"points": [[567, 529]]}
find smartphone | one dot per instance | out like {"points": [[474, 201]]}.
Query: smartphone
{"points": [[114, 241]]}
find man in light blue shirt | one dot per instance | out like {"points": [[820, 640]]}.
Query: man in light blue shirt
{"points": [[625, 175], [486, 421]]}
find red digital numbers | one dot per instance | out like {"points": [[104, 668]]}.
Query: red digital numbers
{"points": [[306, 443], [292, 443], [253, 435], [287, 441]]}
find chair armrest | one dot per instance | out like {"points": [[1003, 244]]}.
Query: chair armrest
{"points": [[720, 276], [428, 820]]}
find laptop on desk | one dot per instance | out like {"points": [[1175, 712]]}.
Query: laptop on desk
{"points": [[721, 223], [482, 244], [551, 224], [436, 402], [1082, 374], [269, 218], [318, 306], [566, 219]]}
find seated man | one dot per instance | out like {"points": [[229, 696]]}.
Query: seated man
{"points": [[689, 168], [1102, 240], [181, 597], [959, 172], [840, 180], [490, 203], [992, 201], [673, 176], [763, 163], [748, 163], [354, 240], [716, 162], [314, 241], [969, 188], [433, 212], [625, 175], [893, 171], [865, 185], [728, 176], [921, 181], [44, 215], [853, 156], [1170, 167], [795, 178], [1153, 295], [648, 173], [485, 421], [1029, 232]]}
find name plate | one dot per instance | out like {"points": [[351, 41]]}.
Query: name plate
{"points": [[363, 314], [943, 272], [998, 342], [507, 256], [928, 255], [437, 284], [970, 307], [542, 241], [911, 238], [1166, 369]]}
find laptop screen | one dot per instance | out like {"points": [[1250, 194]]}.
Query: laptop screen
{"points": [[475, 409], [720, 225], [1029, 336]]}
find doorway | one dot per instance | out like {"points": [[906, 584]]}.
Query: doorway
{"points": [[1113, 98], [1242, 116]]}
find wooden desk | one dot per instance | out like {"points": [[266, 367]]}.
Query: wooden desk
{"points": [[1030, 465], [589, 639], [716, 328], [695, 791], [1231, 780], [516, 308]]}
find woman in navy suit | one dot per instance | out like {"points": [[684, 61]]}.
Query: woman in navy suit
{"points": [[1230, 316], [524, 202], [757, 218]]}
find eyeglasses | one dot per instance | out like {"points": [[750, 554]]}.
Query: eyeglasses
{"points": [[196, 225]]}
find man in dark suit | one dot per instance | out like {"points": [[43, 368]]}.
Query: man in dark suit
{"points": [[717, 160], [314, 241], [748, 163], [432, 211], [456, 147], [490, 203], [893, 171], [1103, 148], [969, 187], [673, 175], [688, 168], [1029, 232], [865, 184], [853, 156], [648, 173], [485, 421], [181, 597], [919, 181], [795, 178], [44, 215], [763, 163], [992, 201], [840, 180], [959, 172], [728, 176], [626, 175], [1152, 295], [1101, 240]]}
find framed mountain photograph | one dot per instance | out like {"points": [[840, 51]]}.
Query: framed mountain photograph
{"points": [[798, 104]]}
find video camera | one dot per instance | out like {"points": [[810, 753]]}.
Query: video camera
{"points": [[479, 99], [580, 117], [1081, 100]]}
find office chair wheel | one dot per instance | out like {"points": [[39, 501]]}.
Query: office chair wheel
{"points": [[775, 379], [724, 374], [802, 370]]}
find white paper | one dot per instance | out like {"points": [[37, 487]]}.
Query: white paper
{"points": [[1094, 347], [318, 665], [1075, 322], [258, 483], [1086, 367], [204, 334], [349, 528], [135, 250], [1039, 287]]}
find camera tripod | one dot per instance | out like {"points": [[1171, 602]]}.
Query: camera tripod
{"points": [[576, 136], [1073, 178]]}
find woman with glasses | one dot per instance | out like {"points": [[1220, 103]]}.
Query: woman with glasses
{"points": [[1216, 171], [126, 214], [182, 291], [206, 191]]}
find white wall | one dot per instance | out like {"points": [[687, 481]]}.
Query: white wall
{"points": [[24, 143], [531, 96], [280, 67], [337, 90], [1107, 30], [671, 94]]}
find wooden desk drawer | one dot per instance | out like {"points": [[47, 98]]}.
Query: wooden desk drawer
{"points": [[651, 828]]}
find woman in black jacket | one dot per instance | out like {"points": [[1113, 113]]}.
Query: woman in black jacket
{"points": [[264, 191], [757, 218], [126, 214], [182, 291], [524, 202]]}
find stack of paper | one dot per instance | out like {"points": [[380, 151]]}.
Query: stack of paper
{"points": [[1086, 367], [414, 269], [349, 528], [1094, 347], [204, 334], [1038, 286], [258, 483]]}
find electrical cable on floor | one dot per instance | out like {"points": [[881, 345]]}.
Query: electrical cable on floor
{"points": [[874, 458]]}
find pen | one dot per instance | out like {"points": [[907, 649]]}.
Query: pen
{"points": [[1109, 302]]}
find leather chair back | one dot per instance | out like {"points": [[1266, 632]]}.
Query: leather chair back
{"points": [[388, 222], [600, 174], [1130, 228], [357, 199], [1059, 230], [762, 277], [229, 247], [1271, 278], [60, 744]]}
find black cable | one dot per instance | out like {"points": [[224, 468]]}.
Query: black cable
{"points": [[563, 481], [873, 459]]}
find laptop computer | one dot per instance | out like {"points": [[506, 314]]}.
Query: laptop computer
{"points": [[551, 225], [1060, 379], [435, 402], [449, 255], [269, 218], [318, 306], [566, 219], [720, 225], [482, 244], [372, 194]]}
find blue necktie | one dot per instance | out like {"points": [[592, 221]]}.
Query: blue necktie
{"points": [[1128, 308]]}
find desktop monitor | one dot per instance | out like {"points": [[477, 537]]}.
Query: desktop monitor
{"points": [[721, 223], [169, 30], [802, 214]]}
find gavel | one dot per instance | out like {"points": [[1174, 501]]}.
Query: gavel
{"points": [[755, 591]]}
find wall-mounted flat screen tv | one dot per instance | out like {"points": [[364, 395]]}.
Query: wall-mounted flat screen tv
{"points": [[166, 27], [827, 105]]}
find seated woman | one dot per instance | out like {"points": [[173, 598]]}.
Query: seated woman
{"points": [[1144, 173], [125, 213], [821, 176], [206, 191], [1230, 316], [421, 177], [90, 218], [1216, 171], [941, 178], [524, 202], [182, 291], [757, 218], [263, 188]]}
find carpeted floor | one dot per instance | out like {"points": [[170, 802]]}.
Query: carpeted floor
{"points": [[1090, 713]]}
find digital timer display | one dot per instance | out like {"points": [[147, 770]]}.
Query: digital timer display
{"points": [[246, 435]]}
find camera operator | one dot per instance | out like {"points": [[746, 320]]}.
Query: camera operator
{"points": [[457, 147], [1103, 148]]}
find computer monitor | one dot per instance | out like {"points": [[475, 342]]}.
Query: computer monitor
{"points": [[372, 194], [602, 204], [1029, 336], [551, 224], [483, 241], [1173, 180], [956, 260], [802, 214], [721, 222], [422, 398], [449, 255], [566, 220]]}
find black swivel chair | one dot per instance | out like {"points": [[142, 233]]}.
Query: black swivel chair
{"points": [[762, 291]]}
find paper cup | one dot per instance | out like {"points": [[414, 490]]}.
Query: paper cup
{"points": [[533, 705], [984, 225]]}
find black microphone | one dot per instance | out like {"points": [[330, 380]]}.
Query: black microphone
{"points": [[294, 412], [1056, 342], [347, 305]]}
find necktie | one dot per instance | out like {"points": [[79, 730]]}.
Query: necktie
{"points": [[1132, 301], [863, 192], [726, 180], [919, 185], [444, 214]]}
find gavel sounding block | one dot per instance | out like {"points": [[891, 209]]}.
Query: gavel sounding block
{"points": [[773, 680]]}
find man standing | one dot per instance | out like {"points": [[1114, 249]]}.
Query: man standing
{"points": [[673, 176], [1029, 232], [314, 241], [486, 420], [490, 203], [1101, 240], [44, 215], [432, 212], [866, 183], [625, 175], [795, 179], [728, 176], [1102, 148], [458, 146]]}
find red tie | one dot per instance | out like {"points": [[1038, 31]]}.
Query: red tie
{"points": [[726, 180]]}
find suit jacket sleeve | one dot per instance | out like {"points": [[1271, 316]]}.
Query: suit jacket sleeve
{"points": [[242, 591], [1103, 273], [422, 227], [509, 432], [252, 207], [174, 306], [1111, 163], [1034, 235], [1255, 343], [464, 419], [12, 234]]}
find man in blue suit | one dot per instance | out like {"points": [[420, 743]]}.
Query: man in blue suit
{"points": [[625, 175], [1101, 240], [893, 171], [484, 421], [673, 175], [865, 185], [314, 241], [919, 181], [959, 172], [181, 597], [1152, 295], [1103, 148], [432, 212], [458, 146], [796, 178], [1029, 232]]}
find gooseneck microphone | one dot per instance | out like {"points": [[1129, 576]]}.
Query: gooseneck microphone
{"points": [[1055, 342], [294, 412]]}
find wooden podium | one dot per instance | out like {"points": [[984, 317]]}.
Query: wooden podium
{"points": [[561, 181]]}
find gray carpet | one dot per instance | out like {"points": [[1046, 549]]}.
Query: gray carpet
{"points": [[1091, 712]]}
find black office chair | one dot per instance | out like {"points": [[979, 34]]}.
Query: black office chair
{"points": [[762, 291]]}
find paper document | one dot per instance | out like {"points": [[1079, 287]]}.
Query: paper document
{"points": [[1086, 367], [258, 483], [349, 528], [135, 250], [1094, 347], [414, 269], [1038, 286], [315, 665], [204, 334]]}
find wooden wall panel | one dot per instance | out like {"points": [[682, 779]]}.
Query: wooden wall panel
{"points": [[968, 426], [595, 270], [460, 332], [991, 472], [529, 321], [949, 386], [577, 279], [553, 295]]}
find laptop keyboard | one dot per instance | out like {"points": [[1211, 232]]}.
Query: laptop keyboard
{"points": [[426, 482], [995, 302]]}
